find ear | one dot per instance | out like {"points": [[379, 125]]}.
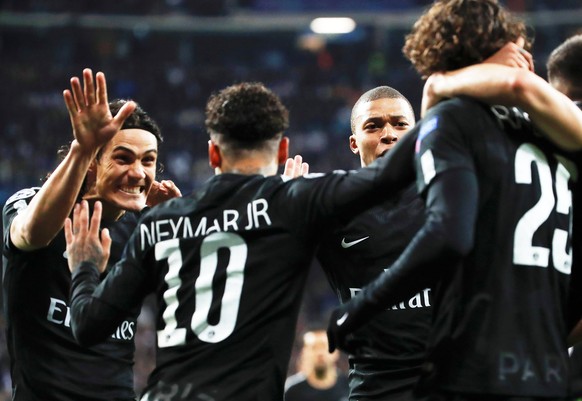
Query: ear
{"points": [[283, 154], [214, 156], [354, 145]]}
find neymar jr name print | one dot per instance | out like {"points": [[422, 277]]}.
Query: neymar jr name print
{"points": [[254, 215]]}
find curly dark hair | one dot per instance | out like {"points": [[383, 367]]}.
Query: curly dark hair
{"points": [[453, 34], [565, 67], [246, 114]]}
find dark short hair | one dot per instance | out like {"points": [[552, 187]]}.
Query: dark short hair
{"points": [[246, 114], [379, 92], [138, 119], [565, 65], [453, 34]]}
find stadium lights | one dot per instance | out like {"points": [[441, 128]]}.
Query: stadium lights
{"points": [[332, 25]]}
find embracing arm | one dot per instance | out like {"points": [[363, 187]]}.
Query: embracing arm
{"points": [[554, 113], [92, 318], [93, 125], [445, 238]]}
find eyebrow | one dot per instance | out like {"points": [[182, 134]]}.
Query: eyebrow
{"points": [[123, 148], [385, 116]]}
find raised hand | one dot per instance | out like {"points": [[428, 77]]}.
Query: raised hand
{"points": [[93, 124], [84, 244], [162, 191], [295, 167]]}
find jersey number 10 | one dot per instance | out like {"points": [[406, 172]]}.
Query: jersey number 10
{"points": [[173, 335]]}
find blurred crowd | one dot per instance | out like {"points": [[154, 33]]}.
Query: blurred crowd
{"points": [[171, 74]]}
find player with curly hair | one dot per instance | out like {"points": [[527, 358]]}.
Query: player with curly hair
{"points": [[500, 269]]}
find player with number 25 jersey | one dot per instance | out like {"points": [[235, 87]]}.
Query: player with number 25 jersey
{"points": [[500, 213]]}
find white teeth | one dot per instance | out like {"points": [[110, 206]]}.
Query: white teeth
{"points": [[131, 190]]}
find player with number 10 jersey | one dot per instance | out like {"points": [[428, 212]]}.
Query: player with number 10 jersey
{"points": [[228, 265]]}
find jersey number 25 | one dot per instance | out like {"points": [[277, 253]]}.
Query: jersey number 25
{"points": [[524, 252]]}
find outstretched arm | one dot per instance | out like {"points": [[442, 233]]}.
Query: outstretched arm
{"points": [[445, 238], [556, 115], [93, 125]]}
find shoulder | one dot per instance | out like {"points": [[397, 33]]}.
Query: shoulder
{"points": [[175, 206], [23, 194], [19, 200]]}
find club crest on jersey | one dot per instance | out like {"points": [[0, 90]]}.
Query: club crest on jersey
{"points": [[23, 194], [426, 128]]}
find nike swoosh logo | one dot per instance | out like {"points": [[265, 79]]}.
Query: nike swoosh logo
{"points": [[346, 244], [342, 319]]}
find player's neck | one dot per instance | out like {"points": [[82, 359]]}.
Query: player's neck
{"points": [[249, 166]]}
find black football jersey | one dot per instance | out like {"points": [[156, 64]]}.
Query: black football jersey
{"points": [[500, 321], [228, 266], [297, 388], [46, 362], [393, 342]]}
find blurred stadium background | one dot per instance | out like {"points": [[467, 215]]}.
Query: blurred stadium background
{"points": [[170, 55]]}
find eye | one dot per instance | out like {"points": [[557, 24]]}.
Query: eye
{"points": [[123, 159], [370, 127], [402, 124], [149, 160]]}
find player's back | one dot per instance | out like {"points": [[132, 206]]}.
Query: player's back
{"points": [[234, 259], [500, 324]]}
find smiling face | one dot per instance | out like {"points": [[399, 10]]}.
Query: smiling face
{"points": [[378, 124], [123, 174]]}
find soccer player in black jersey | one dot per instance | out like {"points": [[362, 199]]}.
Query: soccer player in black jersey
{"points": [[357, 251], [318, 378], [111, 159], [564, 68], [228, 263], [497, 243], [393, 344]]}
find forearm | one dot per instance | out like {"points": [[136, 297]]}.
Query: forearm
{"points": [[92, 321], [555, 114], [39, 223], [442, 242]]}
